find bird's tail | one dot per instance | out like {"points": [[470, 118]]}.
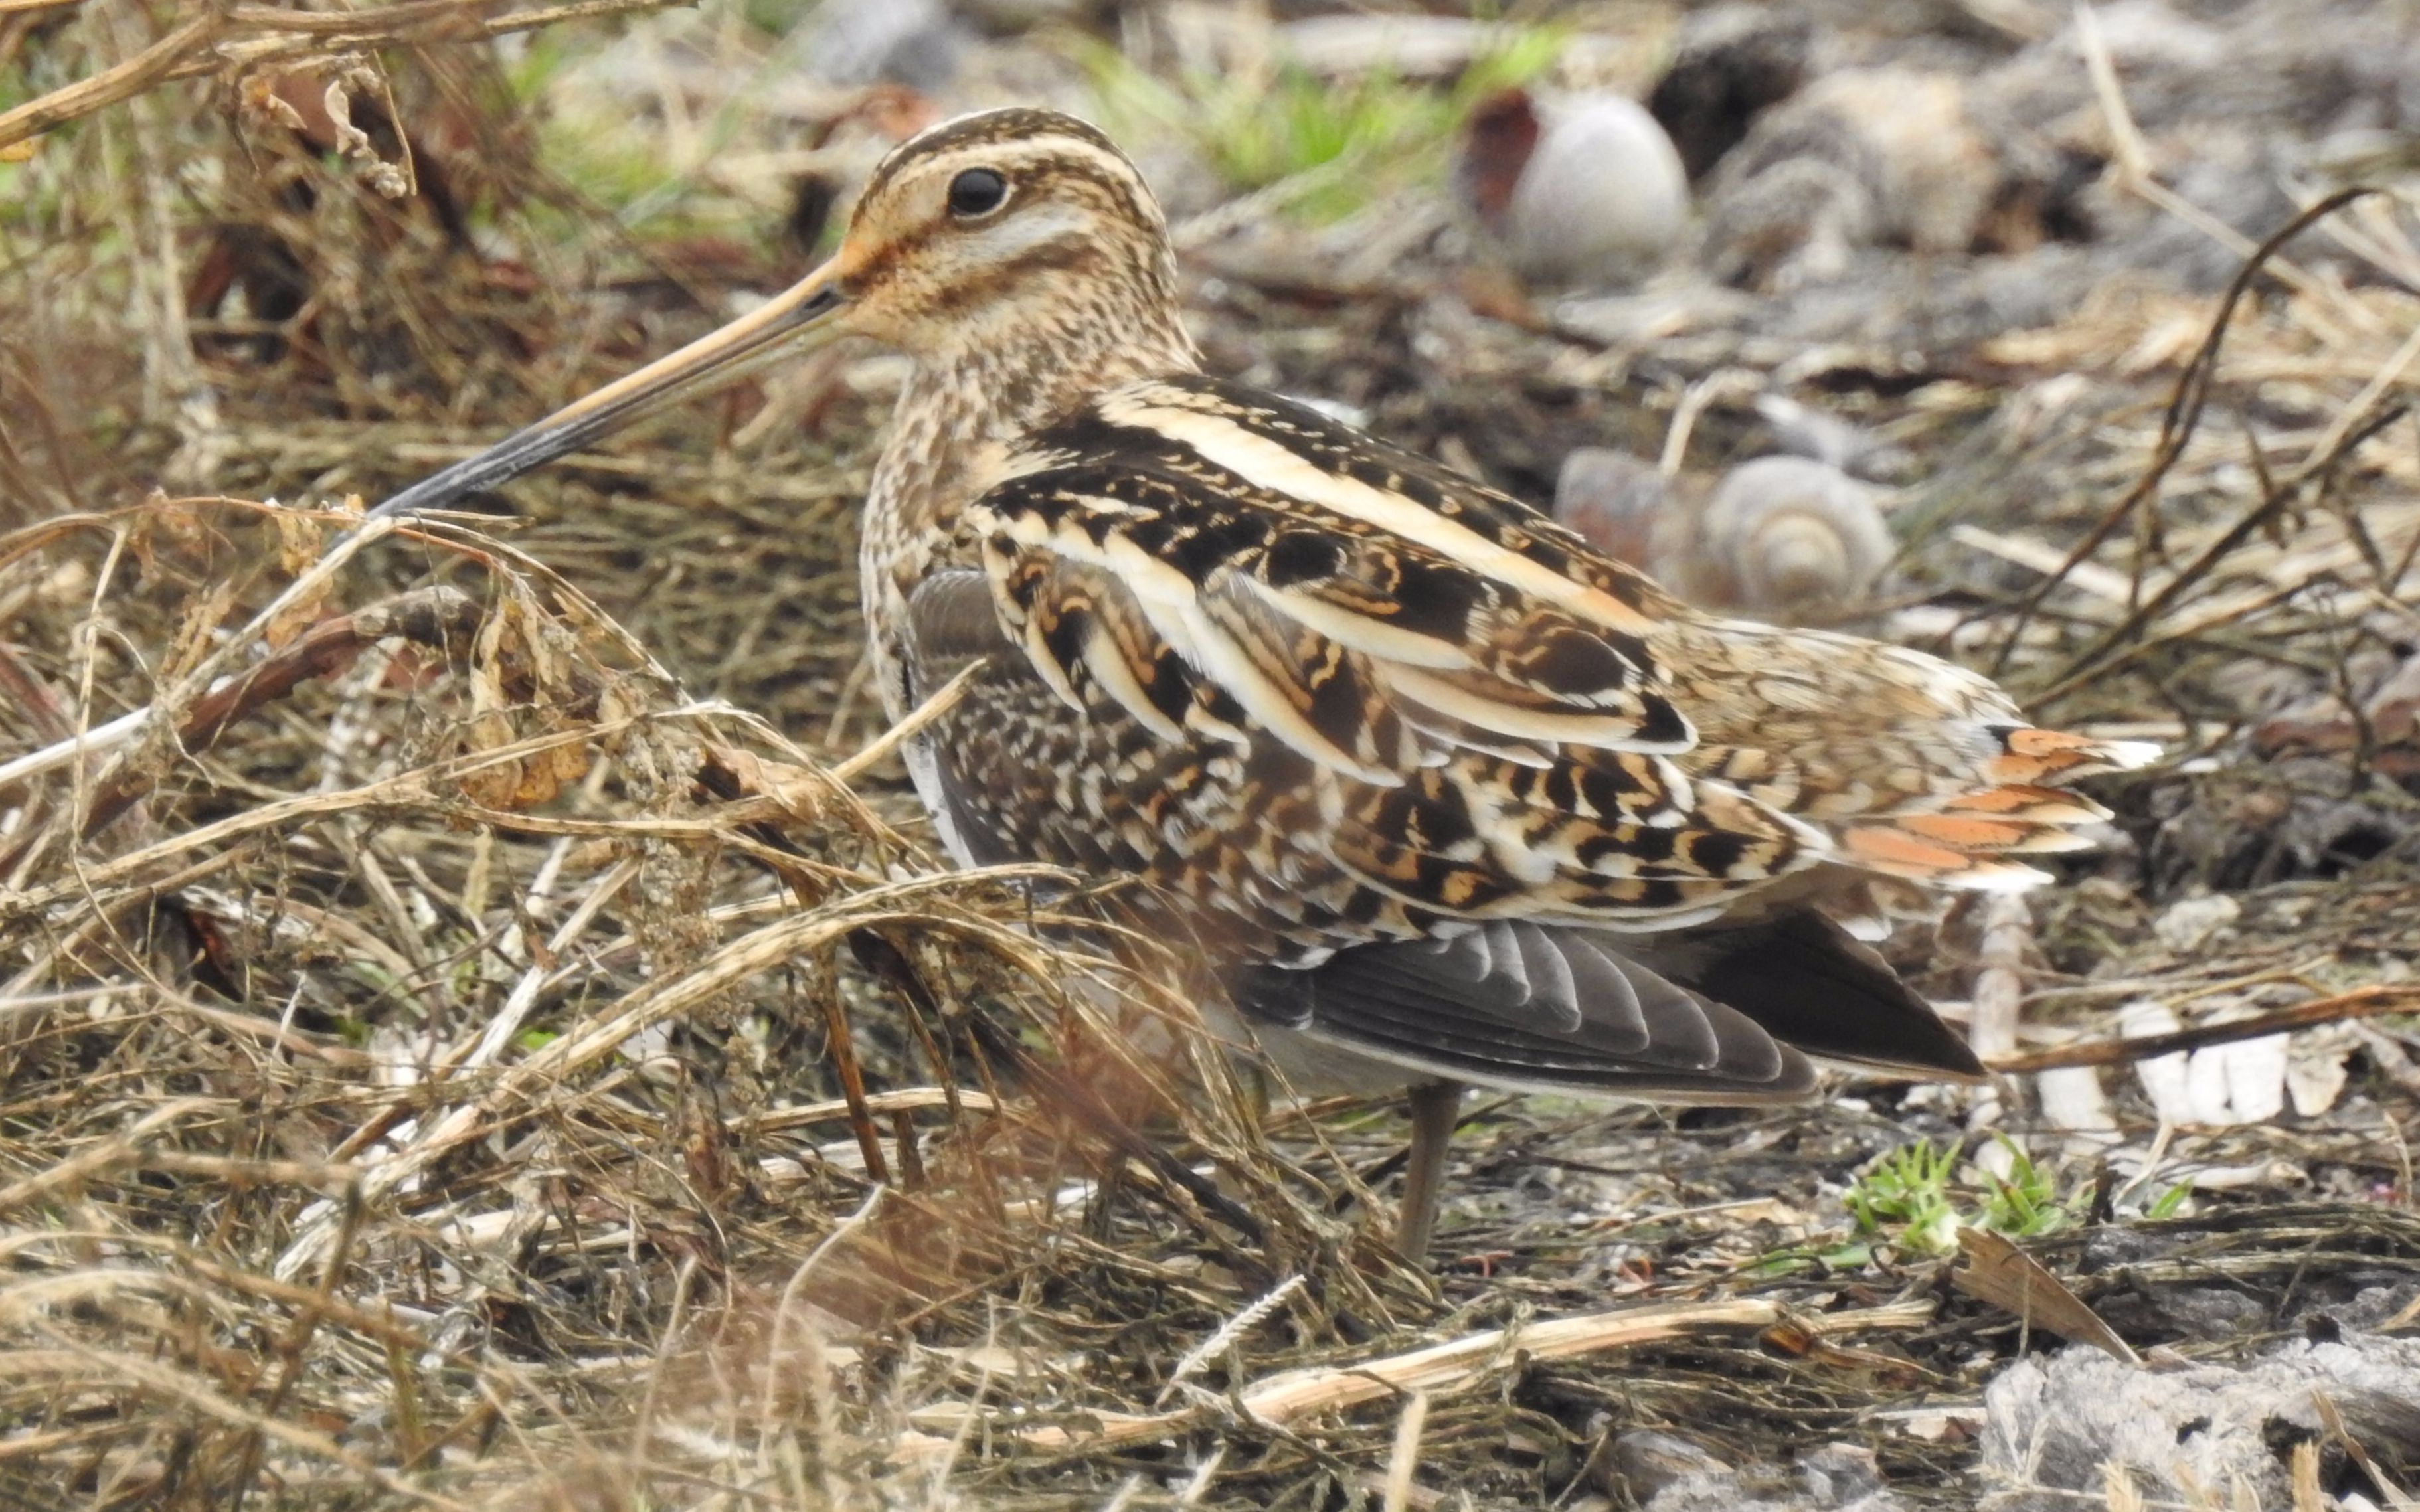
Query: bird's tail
{"points": [[1967, 838]]}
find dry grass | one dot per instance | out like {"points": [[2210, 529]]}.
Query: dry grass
{"points": [[419, 1066]]}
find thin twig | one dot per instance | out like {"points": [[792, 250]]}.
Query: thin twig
{"points": [[125, 80], [2178, 424], [2085, 662], [2360, 1003]]}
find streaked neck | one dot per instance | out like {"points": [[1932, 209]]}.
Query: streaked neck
{"points": [[963, 408]]}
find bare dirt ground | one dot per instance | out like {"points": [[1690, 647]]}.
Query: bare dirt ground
{"points": [[485, 1023]]}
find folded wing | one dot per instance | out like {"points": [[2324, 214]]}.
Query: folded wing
{"points": [[1734, 1015]]}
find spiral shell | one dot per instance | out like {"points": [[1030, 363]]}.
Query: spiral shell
{"points": [[1789, 535], [1784, 538]]}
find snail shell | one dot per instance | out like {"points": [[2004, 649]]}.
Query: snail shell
{"points": [[1781, 537], [1792, 536], [1581, 190]]}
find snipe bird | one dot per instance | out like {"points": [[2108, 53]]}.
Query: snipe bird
{"points": [[1448, 797]]}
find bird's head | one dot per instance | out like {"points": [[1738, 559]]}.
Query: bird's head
{"points": [[1009, 231], [993, 223]]}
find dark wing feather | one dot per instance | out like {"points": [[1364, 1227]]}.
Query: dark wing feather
{"points": [[1531, 1006], [1447, 725], [1729, 1015], [1809, 984]]}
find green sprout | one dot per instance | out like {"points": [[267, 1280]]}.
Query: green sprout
{"points": [[2022, 1204], [1912, 1196], [1907, 1191]]}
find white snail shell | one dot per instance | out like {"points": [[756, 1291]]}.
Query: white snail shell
{"points": [[1574, 189], [1789, 534]]}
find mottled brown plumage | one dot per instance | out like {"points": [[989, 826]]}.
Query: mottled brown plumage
{"points": [[1444, 793]]}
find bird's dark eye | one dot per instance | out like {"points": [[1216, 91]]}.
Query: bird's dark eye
{"points": [[976, 192]]}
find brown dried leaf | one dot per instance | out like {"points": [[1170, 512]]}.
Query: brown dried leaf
{"points": [[260, 98], [1998, 1272], [157, 518], [548, 773], [523, 782], [298, 541]]}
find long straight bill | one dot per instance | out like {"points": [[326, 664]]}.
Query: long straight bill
{"points": [[703, 366]]}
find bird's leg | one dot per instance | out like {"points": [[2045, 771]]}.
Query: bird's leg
{"points": [[1436, 1106]]}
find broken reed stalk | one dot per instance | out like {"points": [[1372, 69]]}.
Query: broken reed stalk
{"points": [[2376, 1001], [1999, 977], [1459, 1364]]}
